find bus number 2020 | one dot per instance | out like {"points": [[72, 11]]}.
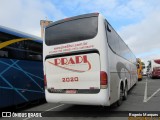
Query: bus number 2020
{"points": [[70, 79]]}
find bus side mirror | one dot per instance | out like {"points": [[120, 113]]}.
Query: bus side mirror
{"points": [[108, 28]]}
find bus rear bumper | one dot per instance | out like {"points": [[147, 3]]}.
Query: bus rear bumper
{"points": [[102, 98]]}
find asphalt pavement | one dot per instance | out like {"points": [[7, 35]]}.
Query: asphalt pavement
{"points": [[144, 97]]}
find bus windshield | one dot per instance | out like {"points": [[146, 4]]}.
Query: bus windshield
{"points": [[71, 31]]}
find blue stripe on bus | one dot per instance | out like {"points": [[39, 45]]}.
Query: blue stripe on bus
{"points": [[14, 88], [1, 87], [21, 70], [11, 81], [8, 68], [27, 75]]}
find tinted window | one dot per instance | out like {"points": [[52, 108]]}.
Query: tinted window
{"points": [[28, 49], [33, 50], [71, 31], [118, 46], [124, 49], [5, 51], [113, 39]]}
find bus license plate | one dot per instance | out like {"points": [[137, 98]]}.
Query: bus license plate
{"points": [[71, 91]]}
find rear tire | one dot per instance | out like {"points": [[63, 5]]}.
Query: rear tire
{"points": [[152, 77], [125, 92], [119, 102]]}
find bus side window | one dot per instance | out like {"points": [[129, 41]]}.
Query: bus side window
{"points": [[3, 53], [117, 45], [18, 50], [34, 50], [113, 39], [35, 57]]}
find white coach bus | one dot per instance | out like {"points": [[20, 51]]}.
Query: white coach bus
{"points": [[154, 68], [86, 62]]}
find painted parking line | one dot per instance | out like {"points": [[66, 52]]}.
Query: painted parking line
{"points": [[47, 110], [145, 92], [146, 99], [53, 108]]}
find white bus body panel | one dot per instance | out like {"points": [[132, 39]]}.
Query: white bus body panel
{"points": [[154, 64], [82, 99], [127, 74], [73, 72]]}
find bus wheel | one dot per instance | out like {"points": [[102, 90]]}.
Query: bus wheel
{"points": [[152, 77], [119, 102], [125, 92]]}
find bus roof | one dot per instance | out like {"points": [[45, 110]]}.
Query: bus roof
{"points": [[19, 33], [72, 18]]}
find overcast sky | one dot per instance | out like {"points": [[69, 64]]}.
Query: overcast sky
{"points": [[137, 21]]}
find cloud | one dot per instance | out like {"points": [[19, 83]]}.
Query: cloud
{"points": [[119, 9], [137, 21], [117, 12], [143, 37], [25, 15]]}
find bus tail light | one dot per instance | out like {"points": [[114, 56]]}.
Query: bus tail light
{"points": [[45, 81], [103, 79]]}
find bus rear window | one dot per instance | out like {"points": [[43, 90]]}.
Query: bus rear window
{"points": [[71, 31]]}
